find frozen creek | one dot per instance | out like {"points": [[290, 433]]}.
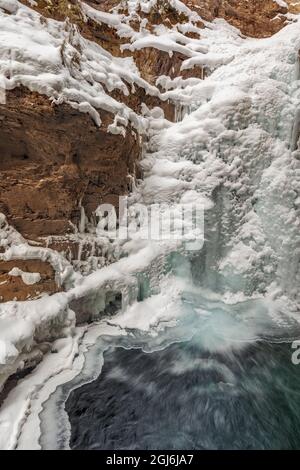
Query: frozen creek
{"points": [[200, 355]]}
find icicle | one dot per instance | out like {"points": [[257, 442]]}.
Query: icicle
{"points": [[297, 73], [82, 218], [295, 132], [80, 249]]}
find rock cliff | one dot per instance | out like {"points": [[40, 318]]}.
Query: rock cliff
{"points": [[57, 164]]}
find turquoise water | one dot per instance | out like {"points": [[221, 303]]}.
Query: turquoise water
{"points": [[222, 378]]}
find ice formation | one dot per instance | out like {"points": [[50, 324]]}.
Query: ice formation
{"points": [[234, 148]]}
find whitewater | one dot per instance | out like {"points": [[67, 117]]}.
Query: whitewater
{"points": [[211, 328]]}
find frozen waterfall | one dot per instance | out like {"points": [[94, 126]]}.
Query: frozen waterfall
{"points": [[234, 150]]}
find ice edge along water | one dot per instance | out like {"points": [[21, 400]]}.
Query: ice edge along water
{"points": [[236, 150]]}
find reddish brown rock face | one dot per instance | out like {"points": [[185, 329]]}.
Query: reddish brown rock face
{"points": [[53, 157], [13, 287], [153, 63], [255, 18]]}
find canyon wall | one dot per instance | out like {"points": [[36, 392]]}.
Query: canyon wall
{"points": [[56, 163]]}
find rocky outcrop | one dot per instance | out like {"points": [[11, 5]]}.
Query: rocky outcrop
{"points": [[55, 161], [14, 284], [254, 18]]}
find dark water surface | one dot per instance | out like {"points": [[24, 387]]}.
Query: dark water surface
{"points": [[185, 397]]}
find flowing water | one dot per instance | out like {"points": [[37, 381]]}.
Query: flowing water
{"points": [[184, 397], [221, 377], [215, 369]]}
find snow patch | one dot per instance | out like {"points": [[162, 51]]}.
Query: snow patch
{"points": [[28, 278]]}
